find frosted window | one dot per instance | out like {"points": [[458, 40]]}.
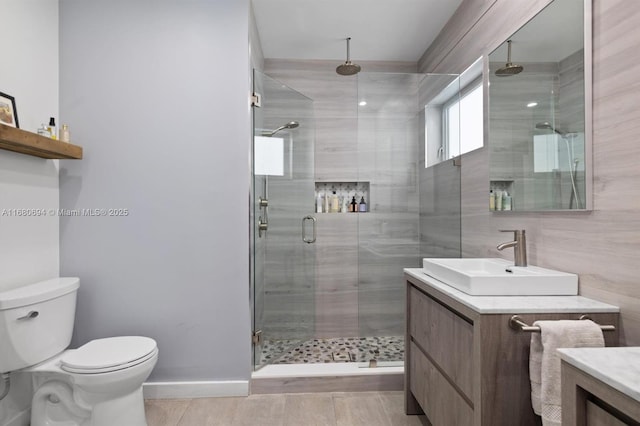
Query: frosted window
{"points": [[268, 156], [464, 123]]}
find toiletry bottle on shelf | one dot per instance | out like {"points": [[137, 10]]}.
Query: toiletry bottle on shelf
{"points": [[319, 203], [362, 207], [326, 202], [506, 201], [492, 200], [498, 200], [52, 128], [334, 203], [44, 131], [354, 205], [64, 134]]}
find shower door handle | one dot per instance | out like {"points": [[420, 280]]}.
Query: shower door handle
{"points": [[304, 229]]}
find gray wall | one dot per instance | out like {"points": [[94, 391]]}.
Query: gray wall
{"points": [[148, 90], [601, 246]]}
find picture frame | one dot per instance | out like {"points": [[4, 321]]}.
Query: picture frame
{"points": [[8, 111]]}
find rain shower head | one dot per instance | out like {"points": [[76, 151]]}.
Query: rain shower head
{"points": [[289, 125], [509, 68], [348, 68]]}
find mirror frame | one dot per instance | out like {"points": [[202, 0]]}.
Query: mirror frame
{"points": [[587, 43]]}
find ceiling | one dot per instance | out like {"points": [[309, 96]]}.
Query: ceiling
{"points": [[381, 30]]}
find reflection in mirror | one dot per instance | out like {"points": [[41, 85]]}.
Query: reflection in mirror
{"points": [[454, 116], [537, 129]]}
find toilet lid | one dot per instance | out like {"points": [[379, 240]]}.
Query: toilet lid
{"points": [[103, 355]]}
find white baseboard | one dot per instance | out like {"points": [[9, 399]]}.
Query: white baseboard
{"points": [[175, 390]]}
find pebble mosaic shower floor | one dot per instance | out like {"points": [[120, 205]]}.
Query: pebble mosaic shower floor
{"points": [[346, 349]]}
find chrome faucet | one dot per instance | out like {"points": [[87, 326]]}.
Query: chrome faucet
{"points": [[519, 245]]}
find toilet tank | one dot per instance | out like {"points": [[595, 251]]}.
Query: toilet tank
{"points": [[36, 321]]}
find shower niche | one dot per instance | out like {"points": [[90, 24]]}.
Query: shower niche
{"points": [[342, 197]]}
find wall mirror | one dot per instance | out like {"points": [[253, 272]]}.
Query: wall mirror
{"points": [[539, 113]]}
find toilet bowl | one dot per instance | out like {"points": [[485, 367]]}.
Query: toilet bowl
{"points": [[97, 384]]}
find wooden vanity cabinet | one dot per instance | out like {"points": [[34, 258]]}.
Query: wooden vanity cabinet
{"points": [[463, 367], [587, 401]]}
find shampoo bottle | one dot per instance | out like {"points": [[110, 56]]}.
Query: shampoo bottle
{"points": [[362, 206], [335, 203], [319, 203], [498, 200], [353, 207], [506, 201], [492, 200]]}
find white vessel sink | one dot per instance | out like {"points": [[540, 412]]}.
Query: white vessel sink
{"points": [[498, 277]]}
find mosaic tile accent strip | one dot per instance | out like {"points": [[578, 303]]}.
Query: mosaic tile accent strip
{"points": [[348, 349]]}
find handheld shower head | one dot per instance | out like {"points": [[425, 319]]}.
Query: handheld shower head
{"points": [[289, 125], [545, 125]]}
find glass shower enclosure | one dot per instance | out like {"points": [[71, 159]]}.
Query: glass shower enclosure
{"points": [[283, 225], [342, 298]]}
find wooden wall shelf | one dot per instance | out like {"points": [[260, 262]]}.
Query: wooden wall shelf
{"points": [[29, 143]]}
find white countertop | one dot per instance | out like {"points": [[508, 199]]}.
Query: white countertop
{"points": [[617, 367], [520, 304]]}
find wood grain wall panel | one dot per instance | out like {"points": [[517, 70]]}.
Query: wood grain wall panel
{"points": [[495, 22], [460, 23], [602, 246]]}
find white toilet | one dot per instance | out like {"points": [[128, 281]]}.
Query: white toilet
{"points": [[98, 384]]}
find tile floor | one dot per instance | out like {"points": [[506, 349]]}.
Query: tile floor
{"points": [[344, 349], [309, 409]]}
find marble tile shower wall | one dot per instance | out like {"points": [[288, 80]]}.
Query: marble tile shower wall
{"points": [[359, 257]]}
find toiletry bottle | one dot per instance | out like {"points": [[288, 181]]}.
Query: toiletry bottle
{"points": [[353, 205], [492, 200], [334, 203], [64, 134], [44, 131], [506, 201], [52, 128], [326, 202], [319, 203], [498, 200], [363, 206]]}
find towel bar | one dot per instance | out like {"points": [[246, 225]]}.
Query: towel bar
{"points": [[516, 323]]}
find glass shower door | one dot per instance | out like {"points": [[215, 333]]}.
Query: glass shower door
{"points": [[283, 231]]}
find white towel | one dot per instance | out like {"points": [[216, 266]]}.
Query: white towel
{"points": [[544, 362]]}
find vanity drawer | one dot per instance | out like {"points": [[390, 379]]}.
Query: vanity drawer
{"points": [[445, 336], [442, 404]]}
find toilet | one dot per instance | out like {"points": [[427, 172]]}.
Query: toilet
{"points": [[97, 384]]}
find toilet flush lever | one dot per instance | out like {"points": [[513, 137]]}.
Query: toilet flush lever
{"points": [[30, 315]]}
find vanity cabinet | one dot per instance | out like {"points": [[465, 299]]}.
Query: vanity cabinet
{"points": [[600, 387], [464, 365]]}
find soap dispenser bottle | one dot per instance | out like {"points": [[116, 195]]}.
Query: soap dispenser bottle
{"points": [[362, 207], [353, 207]]}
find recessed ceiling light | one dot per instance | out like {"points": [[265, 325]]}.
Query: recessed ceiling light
{"points": [[532, 104], [362, 103]]}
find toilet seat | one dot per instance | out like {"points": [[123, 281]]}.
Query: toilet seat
{"points": [[107, 355]]}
